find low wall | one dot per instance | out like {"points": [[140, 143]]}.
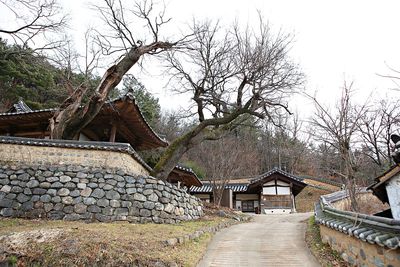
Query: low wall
{"points": [[88, 193], [359, 253], [361, 240], [14, 150]]}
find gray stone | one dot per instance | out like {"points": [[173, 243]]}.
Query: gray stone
{"points": [[115, 203], [67, 200], [71, 217], [98, 175], [45, 198], [148, 205], [70, 185], [103, 202], [93, 185], [39, 191], [45, 185], [86, 192], [172, 241], [130, 179], [81, 185], [159, 206], [35, 198], [6, 203], [75, 193], [121, 184], [58, 206], [102, 218], [57, 185], [68, 209], [139, 197], [98, 193], [27, 206], [168, 208], [121, 211], [63, 192], [111, 182], [107, 211], [23, 177], [55, 215], [48, 207], [52, 179], [131, 190], [112, 195], [89, 201], [77, 200], [108, 176], [126, 204], [16, 189], [108, 187], [52, 192], [6, 189], [164, 200], [153, 197], [80, 208], [148, 192], [56, 199], [81, 175], [65, 178], [93, 209], [7, 212]]}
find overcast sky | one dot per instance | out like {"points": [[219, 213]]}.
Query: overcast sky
{"points": [[334, 40]]}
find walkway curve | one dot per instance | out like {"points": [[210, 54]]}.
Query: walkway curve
{"points": [[270, 240]]}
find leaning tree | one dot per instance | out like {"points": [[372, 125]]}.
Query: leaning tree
{"points": [[230, 74]]}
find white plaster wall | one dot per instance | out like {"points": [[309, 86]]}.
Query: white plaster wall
{"points": [[393, 192]]}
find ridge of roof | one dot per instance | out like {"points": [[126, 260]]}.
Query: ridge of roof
{"points": [[27, 110], [90, 145], [276, 170]]}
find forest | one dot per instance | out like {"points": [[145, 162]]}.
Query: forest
{"points": [[239, 82]]}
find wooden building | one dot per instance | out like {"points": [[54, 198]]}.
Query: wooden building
{"points": [[119, 121], [271, 192], [387, 189]]}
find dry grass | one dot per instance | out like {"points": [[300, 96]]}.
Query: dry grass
{"points": [[368, 203], [306, 199], [55, 243], [323, 252]]}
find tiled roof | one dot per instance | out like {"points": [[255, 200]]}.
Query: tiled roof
{"points": [[207, 188], [23, 109], [118, 147], [20, 106], [368, 228], [276, 170]]}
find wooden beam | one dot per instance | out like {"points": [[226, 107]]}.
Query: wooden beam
{"points": [[113, 132]]}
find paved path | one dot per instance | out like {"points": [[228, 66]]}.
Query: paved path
{"points": [[270, 240]]}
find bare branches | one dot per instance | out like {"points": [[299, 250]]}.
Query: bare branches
{"points": [[39, 18], [123, 22], [235, 71]]}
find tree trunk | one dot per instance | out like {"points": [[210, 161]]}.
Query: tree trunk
{"points": [[71, 118]]}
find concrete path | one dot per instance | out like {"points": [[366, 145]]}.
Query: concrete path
{"points": [[270, 240]]}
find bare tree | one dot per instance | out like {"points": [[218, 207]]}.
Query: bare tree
{"points": [[375, 127], [229, 73], [70, 119], [338, 128], [34, 19], [224, 159]]}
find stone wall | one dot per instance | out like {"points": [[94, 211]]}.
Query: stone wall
{"points": [[78, 153], [73, 192], [357, 252]]}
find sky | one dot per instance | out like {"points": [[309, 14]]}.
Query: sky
{"points": [[334, 40]]}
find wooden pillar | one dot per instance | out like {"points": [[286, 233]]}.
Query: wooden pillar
{"points": [[113, 132]]}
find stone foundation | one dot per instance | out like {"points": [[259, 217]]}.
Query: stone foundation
{"points": [[73, 192], [357, 252]]}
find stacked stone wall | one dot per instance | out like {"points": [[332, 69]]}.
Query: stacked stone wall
{"points": [[357, 252], [73, 192]]}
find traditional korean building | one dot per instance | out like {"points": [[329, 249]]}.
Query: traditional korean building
{"points": [[119, 121], [270, 193], [387, 189]]}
